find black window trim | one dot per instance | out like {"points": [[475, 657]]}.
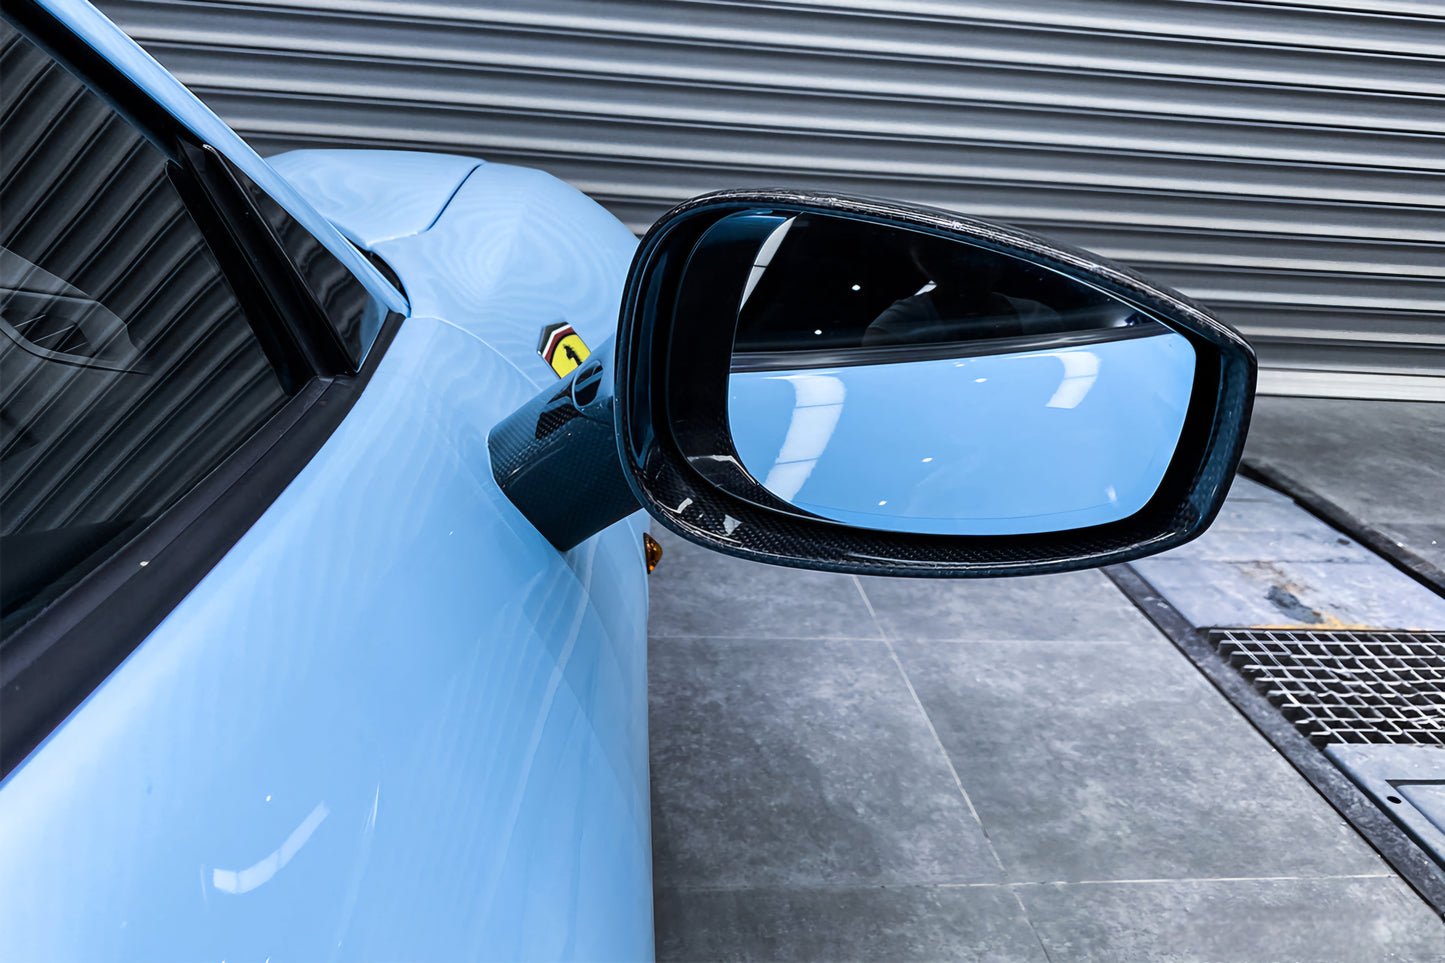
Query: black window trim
{"points": [[53, 662]]}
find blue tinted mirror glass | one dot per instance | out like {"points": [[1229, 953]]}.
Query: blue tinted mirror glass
{"points": [[896, 380]]}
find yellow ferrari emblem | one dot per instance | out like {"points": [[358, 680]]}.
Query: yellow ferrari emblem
{"points": [[562, 348]]}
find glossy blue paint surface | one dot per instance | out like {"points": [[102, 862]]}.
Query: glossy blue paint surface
{"points": [[392, 722], [517, 249], [1004, 444], [375, 195], [512, 249]]}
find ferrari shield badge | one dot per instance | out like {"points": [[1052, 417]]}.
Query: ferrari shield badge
{"points": [[562, 348]]}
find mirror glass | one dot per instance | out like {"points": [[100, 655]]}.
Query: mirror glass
{"points": [[893, 379]]}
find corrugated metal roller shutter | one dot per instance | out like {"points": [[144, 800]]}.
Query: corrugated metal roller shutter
{"points": [[1282, 162]]}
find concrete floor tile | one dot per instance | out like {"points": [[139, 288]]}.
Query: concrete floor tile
{"points": [[961, 924], [1379, 460], [1426, 541], [1274, 528], [1072, 605], [1378, 594], [1247, 490], [1210, 593], [799, 764], [1118, 761], [1219, 593], [697, 592], [1224, 544], [1367, 920], [1254, 516]]}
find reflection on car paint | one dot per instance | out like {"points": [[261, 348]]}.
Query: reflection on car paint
{"points": [[993, 444], [391, 639], [516, 249], [817, 406], [244, 880], [375, 195]]}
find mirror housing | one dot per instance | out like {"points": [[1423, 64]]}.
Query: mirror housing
{"points": [[664, 431], [672, 369]]}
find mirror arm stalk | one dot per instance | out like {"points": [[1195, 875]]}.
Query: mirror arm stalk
{"points": [[556, 456]]}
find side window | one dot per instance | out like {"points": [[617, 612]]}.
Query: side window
{"points": [[345, 303], [128, 367]]}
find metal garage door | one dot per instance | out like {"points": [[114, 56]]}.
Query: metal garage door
{"points": [[1282, 162]]}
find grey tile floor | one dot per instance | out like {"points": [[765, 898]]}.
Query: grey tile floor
{"points": [[1381, 461], [1023, 769], [1267, 561]]}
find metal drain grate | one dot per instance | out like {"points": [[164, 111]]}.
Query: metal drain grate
{"points": [[1347, 687]]}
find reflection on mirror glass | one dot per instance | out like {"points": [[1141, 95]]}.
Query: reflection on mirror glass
{"points": [[897, 380]]}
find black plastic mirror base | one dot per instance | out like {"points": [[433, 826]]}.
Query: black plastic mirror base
{"points": [[672, 369], [556, 457]]}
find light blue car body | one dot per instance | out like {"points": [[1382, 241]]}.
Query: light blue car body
{"points": [[393, 722], [993, 444]]}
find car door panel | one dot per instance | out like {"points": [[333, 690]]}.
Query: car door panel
{"points": [[390, 723]]}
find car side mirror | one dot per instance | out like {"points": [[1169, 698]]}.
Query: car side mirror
{"points": [[871, 387]]}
